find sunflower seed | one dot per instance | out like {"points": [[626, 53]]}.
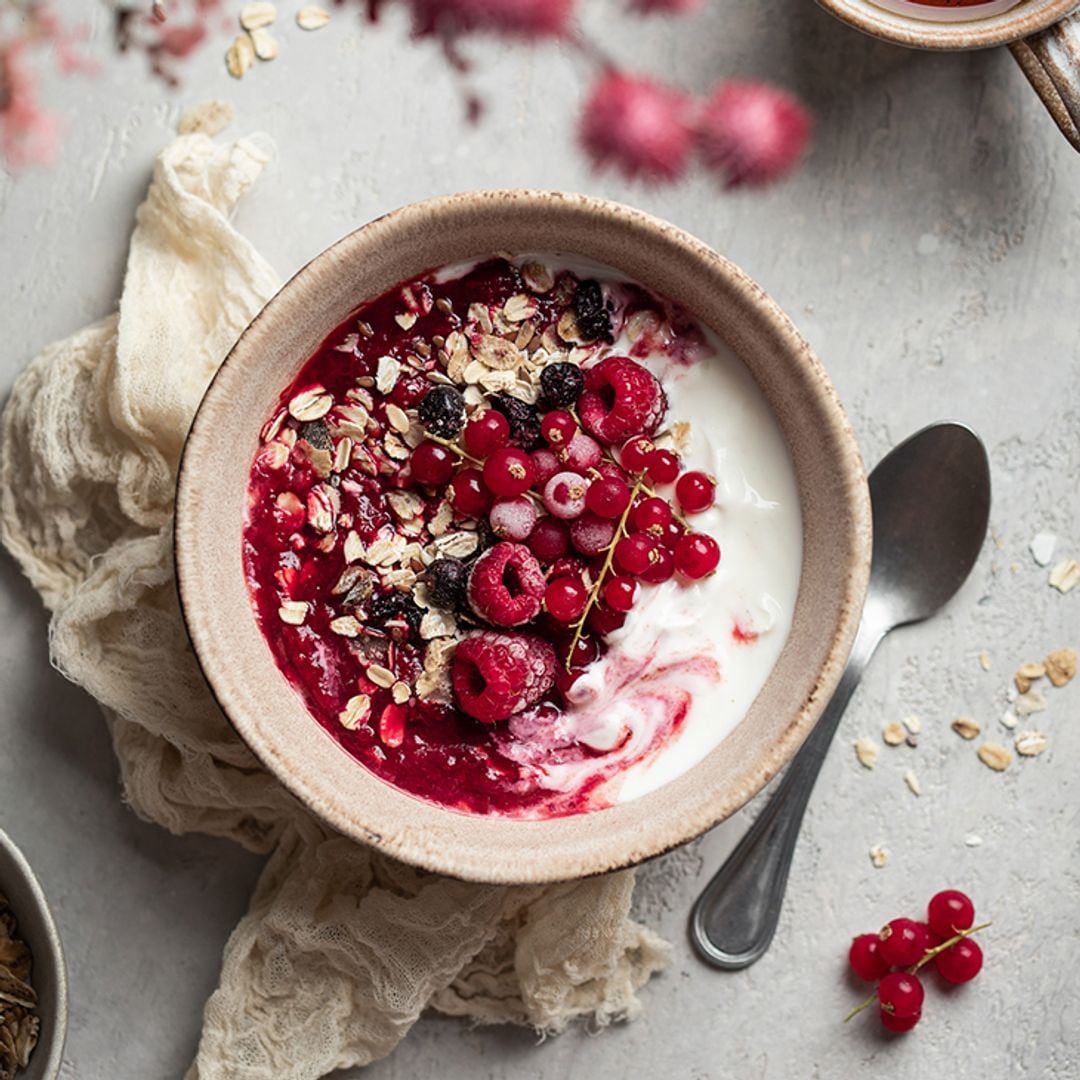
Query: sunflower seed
{"points": [[397, 418]]}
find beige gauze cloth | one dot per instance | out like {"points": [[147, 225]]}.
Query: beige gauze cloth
{"points": [[341, 949]]}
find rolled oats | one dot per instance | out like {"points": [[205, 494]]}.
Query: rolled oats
{"points": [[386, 374], [966, 727], [537, 276], [293, 612], [879, 856], [346, 626], [254, 16], [995, 756], [1061, 666], [1027, 673], [264, 43], [1065, 576], [912, 782], [1030, 743], [357, 710], [893, 734], [311, 404], [381, 676], [866, 750]]}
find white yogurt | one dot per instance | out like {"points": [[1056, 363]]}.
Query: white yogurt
{"points": [[678, 645]]}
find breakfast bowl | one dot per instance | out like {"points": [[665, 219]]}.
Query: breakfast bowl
{"points": [[375, 764], [48, 976]]}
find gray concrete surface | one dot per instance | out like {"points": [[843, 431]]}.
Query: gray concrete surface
{"points": [[929, 251]]}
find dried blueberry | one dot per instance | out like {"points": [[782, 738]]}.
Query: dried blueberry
{"points": [[561, 384], [446, 582], [442, 411], [524, 421], [413, 613], [316, 433], [593, 316], [384, 606]]}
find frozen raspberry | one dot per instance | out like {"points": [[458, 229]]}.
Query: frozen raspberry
{"points": [[442, 411], [561, 384], [506, 585], [621, 399], [496, 675], [524, 421]]}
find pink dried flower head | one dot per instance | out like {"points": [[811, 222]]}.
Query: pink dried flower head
{"points": [[664, 7], [530, 19], [28, 134], [637, 126], [752, 133]]}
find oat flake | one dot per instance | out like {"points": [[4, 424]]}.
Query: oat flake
{"points": [[912, 782], [995, 756], [879, 856], [1065, 576], [866, 750], [1030, 743]]}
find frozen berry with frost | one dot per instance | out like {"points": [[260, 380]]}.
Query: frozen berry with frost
{"points": [[751, 133], [564, 495], [486, 433], [509, 471], [865, 959], [469, 495], [635, 452], [960, 963], [545, 466], [950, 911], [565, 598], [561, 385], [506, 585], [549, 540], [524, 421], [431, 463], [903, 941], [901, 994], [583, 453], [591, 534], [621, 399], [513, 518], [662, 466], [495, 675], [620, 592], [608, 497], [634, 554], [695, 491], [446, 582], [638, 126], [442, 411], [696, 556]]}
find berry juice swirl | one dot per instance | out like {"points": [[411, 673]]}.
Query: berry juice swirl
{"points": [[524, 537]]}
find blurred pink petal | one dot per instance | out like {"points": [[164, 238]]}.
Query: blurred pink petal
{"points": [[637, 126], [28, 134], [519, 18], [752, 133], [664, 7]]}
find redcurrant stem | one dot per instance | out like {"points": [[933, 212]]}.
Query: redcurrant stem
{"points": [[454, 448], [594, 594], [926, 958]]}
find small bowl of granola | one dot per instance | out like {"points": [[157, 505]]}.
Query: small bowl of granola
{"points": [[522, 536], [33, 980]]}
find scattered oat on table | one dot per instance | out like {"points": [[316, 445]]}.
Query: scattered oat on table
{"points": [[995, 756], [894, 734], [984, 660], [966, 727], [972, 840], [879, 856], [1028, 673], [208, 117], [255, 16], [1030, 743], [1009, 719], [866, 750], [912, 782], [1031, 702], [240, 57], [1042, 547], [1061, 666], [264, 43], [312, 17], [913, 724], [1065, 576]]}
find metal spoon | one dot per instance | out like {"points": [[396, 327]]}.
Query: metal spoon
{"points": [[931, 501]]}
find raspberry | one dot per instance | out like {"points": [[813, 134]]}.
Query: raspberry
{"points": [[561, 384], [506, 585], [592, 314], [621, 399], [446, 582], [496, 675], [442, 411], [524, 421]]}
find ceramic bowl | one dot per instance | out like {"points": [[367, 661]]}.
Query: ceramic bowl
{"points": [[272, 718], [49, 977]]}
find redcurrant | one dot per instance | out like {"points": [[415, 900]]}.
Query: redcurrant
{"points": [[431, 463], [564, 495], [620, 593], [603, 621], [662, 567], [960, 963], [591, 534], [901, 994], [513, 518], [582, 453], [565, 598], [549, 540], [545, 465], [696, 555], [509, 471], [486, 433], [635, 453], [651, 515], [950, 911], [608, 497], [558, 427], [903, 942], [662, 466], [892, 1022], [695, 492], [634, 554], [865, 959], [468, 493]]}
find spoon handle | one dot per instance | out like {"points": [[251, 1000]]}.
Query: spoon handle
{"points": [[735, 917]]}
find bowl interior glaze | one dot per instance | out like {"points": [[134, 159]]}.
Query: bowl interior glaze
{"points": [[272, 718]]}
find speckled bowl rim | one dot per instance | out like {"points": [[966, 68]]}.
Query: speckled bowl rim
{"points": [[47, 951], [1002, 29], [490, 848]]}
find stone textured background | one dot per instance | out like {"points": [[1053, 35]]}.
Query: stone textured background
{"points": [[928, 249]]}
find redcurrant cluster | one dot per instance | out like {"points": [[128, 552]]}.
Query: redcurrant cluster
{"points": [[903, 947], [589, 513]]}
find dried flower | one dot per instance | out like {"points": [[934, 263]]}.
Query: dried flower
{"points": [[637, 126], [752, 133]]}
